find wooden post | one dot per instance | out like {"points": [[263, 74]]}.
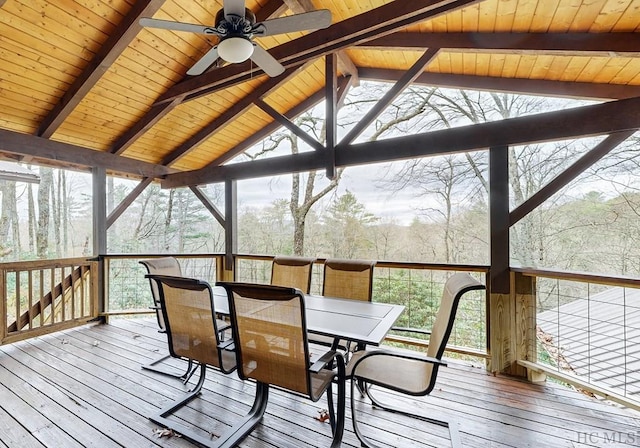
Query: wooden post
{"points": [[331, 101], [524, 289], [100, 229], [230, 227], [502, 323]]}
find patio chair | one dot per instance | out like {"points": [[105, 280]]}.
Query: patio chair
{"points": [[292, 272], [270, 338], [409, 372], [193, 333], [345, 279], [164, 266]]}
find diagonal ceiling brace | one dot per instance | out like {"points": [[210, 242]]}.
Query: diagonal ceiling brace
{"points": [[284, 121]]}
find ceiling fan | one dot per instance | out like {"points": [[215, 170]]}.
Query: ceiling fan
{"points": [[236, 27]]}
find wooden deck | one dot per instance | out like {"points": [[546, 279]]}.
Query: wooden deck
{"points": [[85, 387]]}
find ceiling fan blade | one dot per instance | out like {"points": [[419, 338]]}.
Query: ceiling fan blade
{"points": [[204, 62], [235, 7], [313, 20], [266, 62], [176, 26]]}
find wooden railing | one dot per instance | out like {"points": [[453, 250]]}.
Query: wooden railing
{"points": [[582, 329], [42, 296], [126, 290]]}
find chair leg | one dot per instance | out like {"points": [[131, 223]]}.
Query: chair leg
{"points": [[181, 376], [454, 434], [337, 423], [241, 430]]}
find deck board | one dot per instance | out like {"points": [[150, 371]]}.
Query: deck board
{"points": [[85, 387]]}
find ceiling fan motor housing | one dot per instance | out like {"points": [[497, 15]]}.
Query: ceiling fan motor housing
{"points": [[236, 26]]}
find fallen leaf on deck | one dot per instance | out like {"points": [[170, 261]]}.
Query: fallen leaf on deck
{"points": [[64, 341], [96, 343], [324, 415], [165, 433]]}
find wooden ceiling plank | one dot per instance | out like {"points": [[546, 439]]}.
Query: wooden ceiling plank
{"points": [[604, 44], [406, 79], [236, 110], [582, 90], [560, 181], [606, 118], [378, 22], [108, 53], [40, 147]]}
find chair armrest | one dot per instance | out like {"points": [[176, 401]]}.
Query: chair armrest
{"points": [[227, 345], [397, 354], [411, 330], [323, 361]]}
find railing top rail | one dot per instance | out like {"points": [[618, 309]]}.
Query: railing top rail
{"points": [[45, 264], [611, 280], [396, 264], [129, 256]]}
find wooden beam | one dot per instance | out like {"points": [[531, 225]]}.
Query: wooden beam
{"points": [[380, 21], [566, 89], [593, 44], [606, 118], [499, 219], [234, 111], [126, 202], [345, 64], [597, 119], [31, 145], [208, 205], [331, 112], [407, 78], [115, 44], [284, 121], [560, 181]]}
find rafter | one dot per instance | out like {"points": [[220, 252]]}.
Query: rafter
{"points": [[215, 212], [606, 118], [284, 121], [380, 21], [591, 43], [108, 53], [566, 89], [126, 202]]}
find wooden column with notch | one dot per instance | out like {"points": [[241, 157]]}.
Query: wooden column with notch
{"points": [[230, 227], [501, 308], [524, 291], [99, 182]]}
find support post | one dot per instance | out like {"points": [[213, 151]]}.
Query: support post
{"points": [[99, 182], [524, 288], [501, 307], [230, 227], [331, 101]]}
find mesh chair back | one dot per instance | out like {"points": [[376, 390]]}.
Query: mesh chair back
{"points": [[455, 287], [160, 266], [292, 272], [190, 318], [270, 335], [348, 279]]}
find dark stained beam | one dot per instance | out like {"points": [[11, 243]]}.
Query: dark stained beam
{"points": [[119, 39], [126, 202], [499, 219], [560, 181], [32, 146], [331, 112], [380, 21], [598, 119], [234, 111], [284, 121], [271, 9], [230, 225], [599, 43], [208, 205], [407, 78], [564, 89]]}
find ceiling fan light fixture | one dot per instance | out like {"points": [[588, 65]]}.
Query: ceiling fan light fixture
{"points": [[235, 49]]}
